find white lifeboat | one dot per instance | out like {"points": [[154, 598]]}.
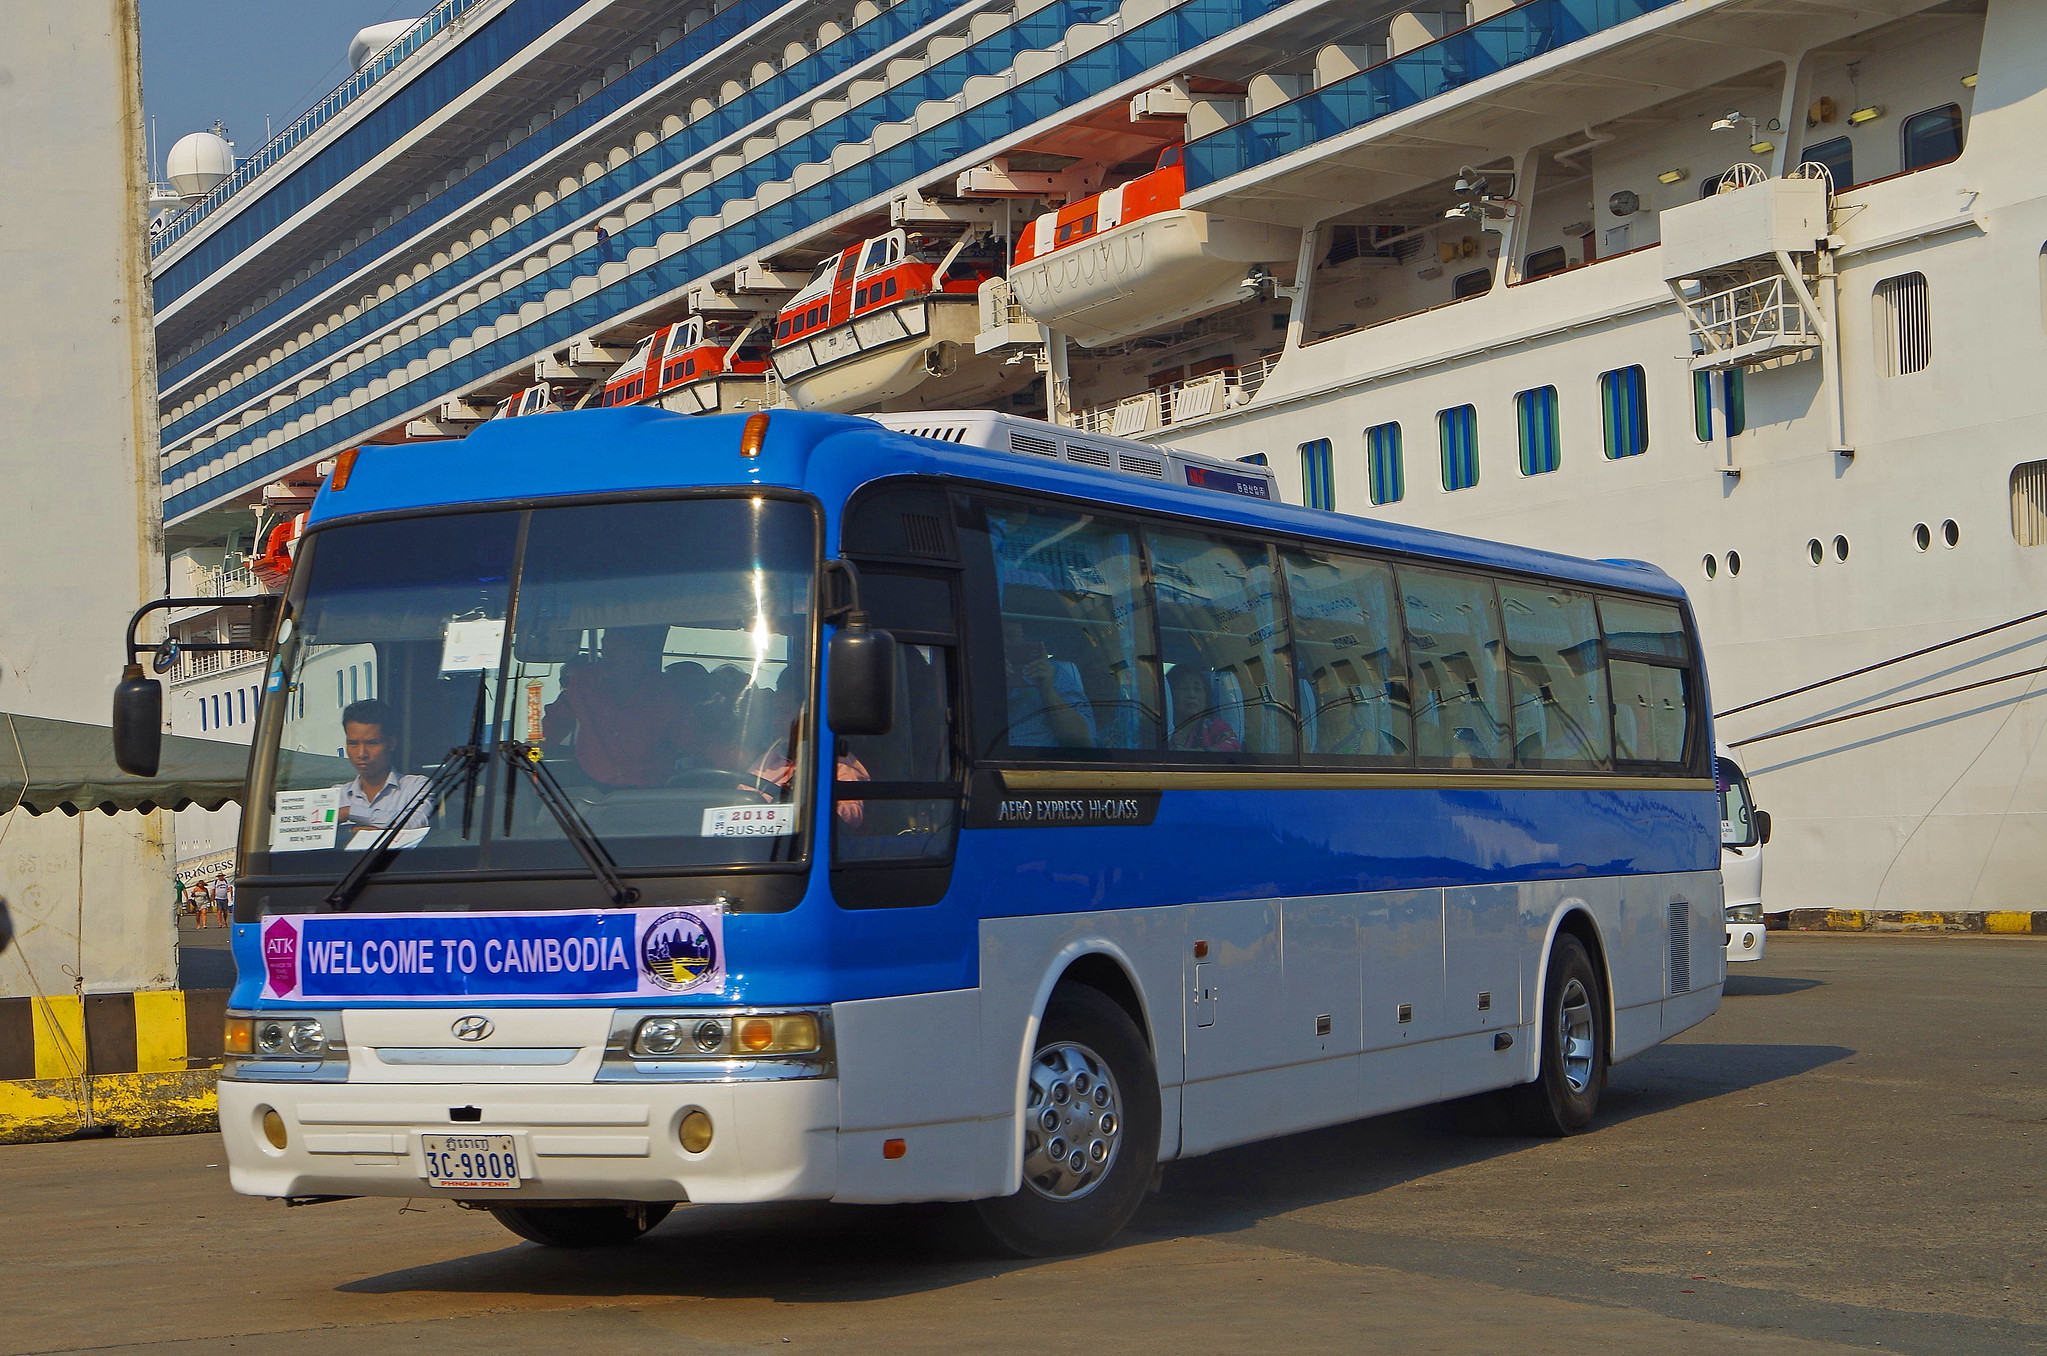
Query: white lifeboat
{"points": [[881, 322], [695, 366], [1131, 259], [539, 398]]}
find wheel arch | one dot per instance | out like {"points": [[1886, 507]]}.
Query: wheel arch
{"points": [[1575, 917]]}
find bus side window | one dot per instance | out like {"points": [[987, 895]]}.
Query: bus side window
{"points": [[1453, 655], [916, 755], [1076, 634], [1648, 656], [1557, 671], [1221, 620], [1351, 664]]}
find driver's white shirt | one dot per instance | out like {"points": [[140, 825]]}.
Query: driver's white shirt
{"points": [[376, 812]]}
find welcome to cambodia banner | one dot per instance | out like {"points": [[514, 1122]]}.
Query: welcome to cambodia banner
{"points": [[598, 953]]}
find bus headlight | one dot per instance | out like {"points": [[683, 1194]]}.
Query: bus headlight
{"points": [[768, 1033], [1744, 913], [660, 1036], [289, 1037]]}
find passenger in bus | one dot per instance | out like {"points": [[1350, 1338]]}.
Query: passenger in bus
{"points": [[375, 797], [1197, 727], [625, 723], [1048, 703]]}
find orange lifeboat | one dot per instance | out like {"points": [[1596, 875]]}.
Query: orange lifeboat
{"points": [[695, 366], [539, 398], [1130, 259], [272, 566], [885, 320]]}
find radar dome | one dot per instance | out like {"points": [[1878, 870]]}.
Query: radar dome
{"points": [[375, 39], [198, 162]]}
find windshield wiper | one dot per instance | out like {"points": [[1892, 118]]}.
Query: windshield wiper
{"points": [[463, 762], [527, 759]]}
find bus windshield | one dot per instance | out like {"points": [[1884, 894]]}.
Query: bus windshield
{"points": [[653, 657]]}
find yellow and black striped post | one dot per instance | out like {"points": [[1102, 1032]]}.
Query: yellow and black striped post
{"points": [[117, 1063]]}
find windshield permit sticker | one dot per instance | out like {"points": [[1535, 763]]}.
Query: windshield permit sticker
{"points": [[473, 645], [609, 953], [749, 821], [301, 821]]}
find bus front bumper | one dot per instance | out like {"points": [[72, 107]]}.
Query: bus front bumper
{"points": [[771, 1141], [1745, 942]]}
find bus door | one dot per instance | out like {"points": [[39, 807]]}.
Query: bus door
{"points": [[898, 796]]}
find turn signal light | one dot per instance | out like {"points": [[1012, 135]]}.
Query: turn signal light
{"points": [[893, 1148], [753, 435], [344, 467], [789, 1034], [239, 1036]]}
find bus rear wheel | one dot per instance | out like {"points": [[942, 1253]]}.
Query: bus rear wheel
{"points": [[581, 1226], [1090, 1135], [1575, 1045]]}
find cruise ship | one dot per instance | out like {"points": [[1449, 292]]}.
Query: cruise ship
{"points": [[1755, 290]]}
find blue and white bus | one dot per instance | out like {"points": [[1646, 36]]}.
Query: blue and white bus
{"points": [[787, 807]]}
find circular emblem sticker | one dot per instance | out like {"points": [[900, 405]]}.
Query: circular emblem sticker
{"points": [[678, 951]]}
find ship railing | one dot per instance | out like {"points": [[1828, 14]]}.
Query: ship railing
{"points": [[439, 18], [231, 583], [207, 663], [1180, 402], [1749, 323]]}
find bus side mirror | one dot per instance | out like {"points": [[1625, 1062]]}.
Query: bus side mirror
{"points": [[861, 697], [138, 723], [1762, 818]]}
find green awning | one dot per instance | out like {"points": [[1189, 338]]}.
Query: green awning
{"points": [[69, 765]]}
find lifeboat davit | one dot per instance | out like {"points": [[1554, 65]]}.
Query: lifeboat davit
{"points": [[272, 565], [695, 366], [881, 321], [1131, 259]]}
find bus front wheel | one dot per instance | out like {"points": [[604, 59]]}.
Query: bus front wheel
{"points": [[1572, 1029], [581, 1226], [1090, 1134]]}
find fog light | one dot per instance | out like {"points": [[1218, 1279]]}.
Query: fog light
{"points": [[696, 1132], [273, 1128], [1748, 941]]}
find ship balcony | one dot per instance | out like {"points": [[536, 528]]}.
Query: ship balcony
{"points": [[1524, 33], [1182, 402]]}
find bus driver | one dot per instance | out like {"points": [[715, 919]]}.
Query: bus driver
{"points": [[375, 797]]}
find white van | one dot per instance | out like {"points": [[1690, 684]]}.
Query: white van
{"points": [[1743, 831]]}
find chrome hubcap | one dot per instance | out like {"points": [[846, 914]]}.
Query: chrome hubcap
{"points": [[1073, 1123], [1575, 1043]]}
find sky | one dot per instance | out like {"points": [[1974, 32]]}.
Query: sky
{"points": [[242, 60]]}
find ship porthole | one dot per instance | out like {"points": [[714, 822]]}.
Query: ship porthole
{"points": [[1816, 550], [1712, 567], [1922, 536], [1951, 532], [1840, 548], [1733, 563]]}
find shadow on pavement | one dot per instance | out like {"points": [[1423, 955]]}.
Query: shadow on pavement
{"points": [[1740, 985], [808, 1252]]}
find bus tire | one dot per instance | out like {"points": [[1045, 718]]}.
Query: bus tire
{"points": [[1572, 1028], [1093, 1101], [582, 1226]]}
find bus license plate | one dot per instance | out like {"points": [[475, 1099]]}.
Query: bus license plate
{"points": [[470, 1162]]}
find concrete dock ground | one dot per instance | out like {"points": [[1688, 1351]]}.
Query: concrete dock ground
{"points": [[1847, 1157]]}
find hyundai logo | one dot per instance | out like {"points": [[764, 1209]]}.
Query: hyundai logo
{"points": [[473, 1028]]}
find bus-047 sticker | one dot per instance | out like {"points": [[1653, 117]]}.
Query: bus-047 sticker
{"points": [[676, 948]]}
